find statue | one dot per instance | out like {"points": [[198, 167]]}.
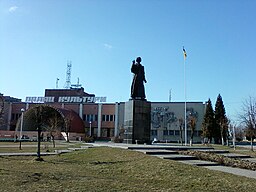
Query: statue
{"points": [[137, 88]]}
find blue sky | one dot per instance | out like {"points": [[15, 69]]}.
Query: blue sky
{"points": [[102, 37]]}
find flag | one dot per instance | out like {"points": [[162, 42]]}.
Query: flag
{"points": [[184, 53]]}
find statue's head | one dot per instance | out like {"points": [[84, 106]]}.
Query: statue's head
{"points": [[138, 60]]}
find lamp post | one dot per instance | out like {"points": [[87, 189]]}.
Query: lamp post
{"points": [[126, 133], [234, 138], [90, 122], [21, 124]]}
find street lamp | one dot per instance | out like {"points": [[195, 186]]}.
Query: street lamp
{"points": [[234, 138], [126, 133], [90, 122], [21, 124]]}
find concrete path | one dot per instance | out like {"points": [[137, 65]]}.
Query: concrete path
{"points": [[233, 170], [56, 152], [168, 152], [199, 163]]}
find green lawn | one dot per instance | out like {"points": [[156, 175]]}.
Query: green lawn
{"points": [[108, 169]]}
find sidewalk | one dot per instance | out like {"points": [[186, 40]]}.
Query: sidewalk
{"points": [[165, 153], [56, 152]]}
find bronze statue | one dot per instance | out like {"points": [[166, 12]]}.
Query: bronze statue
{"points": [[137, 89]]}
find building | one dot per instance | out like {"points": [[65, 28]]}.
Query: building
{"points": [[92, 116]]}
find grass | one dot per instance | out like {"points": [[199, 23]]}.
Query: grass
{"points": [[108, 169]]}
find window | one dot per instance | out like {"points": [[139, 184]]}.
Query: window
{"points": [[13, 116], [95, 117], [90, 117], [171, 132], [165, 132], [176, 132], [154, 132], [108, 117]]}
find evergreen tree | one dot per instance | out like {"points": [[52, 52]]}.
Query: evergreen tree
{"points": [[208, 122], [221, 122]]}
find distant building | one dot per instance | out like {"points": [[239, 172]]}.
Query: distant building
{"points": [[93, 116]]}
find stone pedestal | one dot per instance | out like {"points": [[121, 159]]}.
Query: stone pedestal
{"points": [[137, 120]]}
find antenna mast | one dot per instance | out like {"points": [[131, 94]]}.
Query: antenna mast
{"points": [[57, 83], [68, 75], [170, 95], [77, 85]]}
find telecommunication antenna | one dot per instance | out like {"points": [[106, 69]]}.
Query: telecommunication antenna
{"points": [[57, 83], [76, 85], [170, 95], [68, 75]]}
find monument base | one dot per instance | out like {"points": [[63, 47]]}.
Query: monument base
{"points": [[137, 120]]}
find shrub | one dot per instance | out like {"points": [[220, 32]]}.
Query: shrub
{"points": [[117, 140], [88, 139], [232, 162]]}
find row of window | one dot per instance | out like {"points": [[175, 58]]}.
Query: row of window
{"points": [[15, 116], [92, 117], [175, 132], [108, 117]]}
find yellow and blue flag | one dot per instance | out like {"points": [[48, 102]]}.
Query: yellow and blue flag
{"points": [[184, 53]]}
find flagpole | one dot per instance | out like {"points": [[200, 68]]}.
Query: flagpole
{"points": [[185, 97]]}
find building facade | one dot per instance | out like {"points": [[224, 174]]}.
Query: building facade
{"points": [[105, 120]]}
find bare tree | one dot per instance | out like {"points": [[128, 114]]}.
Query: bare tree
{"points": [[69, 118], [224, 124], [2, 122], [55, 123], [248, 119], [181, 124], [192, 125], [239, 133], [38, 111]]}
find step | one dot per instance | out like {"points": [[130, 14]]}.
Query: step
{"points": [[158, 152], [235, 155], [199, 163], [177, 157], [175, 148], [213, 151]]}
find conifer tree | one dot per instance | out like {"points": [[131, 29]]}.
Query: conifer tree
{"points": [[208, 122], [221, 126]]}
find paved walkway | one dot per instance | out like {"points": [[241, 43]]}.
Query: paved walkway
{"points": [[233, 170], [166, 152], [56, 152]]}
